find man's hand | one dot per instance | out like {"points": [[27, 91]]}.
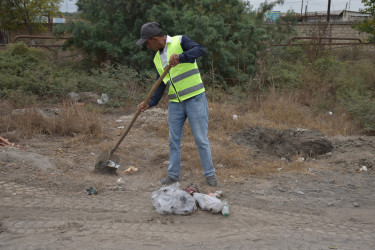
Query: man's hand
{"points": [[174, 60], [143, 107]]}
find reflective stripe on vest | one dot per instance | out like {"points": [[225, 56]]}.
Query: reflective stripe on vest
{"points": [[186, 91], [183, 76]]}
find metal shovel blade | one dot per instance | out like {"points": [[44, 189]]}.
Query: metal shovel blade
{"points": [[104, 163]]}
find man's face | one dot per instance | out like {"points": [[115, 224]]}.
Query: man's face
{"points": [[152, 43]]}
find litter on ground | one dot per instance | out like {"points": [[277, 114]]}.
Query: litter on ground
{"points": [[217, 194], [209, 203], [91, 191], [5, 143], [190, 190], [363, 169], [173, 200], [131, 170]]}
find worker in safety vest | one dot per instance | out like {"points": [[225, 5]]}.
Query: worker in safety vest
{"points": [[187, 97]]}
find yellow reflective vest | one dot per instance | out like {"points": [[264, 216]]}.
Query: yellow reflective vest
{"points": [[184, 80]]}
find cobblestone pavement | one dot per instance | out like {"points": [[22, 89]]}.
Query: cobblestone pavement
{"points": [[35, 218]]}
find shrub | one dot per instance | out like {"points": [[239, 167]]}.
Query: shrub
{"points": [[328, 83], [361, 107], [30, 75], [120, 83], [32, 72], [356, 91]]}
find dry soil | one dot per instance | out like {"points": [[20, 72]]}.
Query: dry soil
{"points": [[44, 203]]}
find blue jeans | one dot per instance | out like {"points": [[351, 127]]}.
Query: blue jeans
{"points": [[196, 110]]}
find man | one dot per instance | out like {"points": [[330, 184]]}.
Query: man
{"points": [[187, 97]]}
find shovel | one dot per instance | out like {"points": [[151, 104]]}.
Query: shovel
{"points": [[106, 161]]}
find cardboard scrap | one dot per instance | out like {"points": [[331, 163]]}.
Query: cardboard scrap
{"points": [[131, 170], [5, 143]]}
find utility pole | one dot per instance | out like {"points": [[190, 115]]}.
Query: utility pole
{"points": [[301, 8], [329, 10]]}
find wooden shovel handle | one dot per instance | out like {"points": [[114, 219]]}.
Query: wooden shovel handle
{"points": [[148, 97]]}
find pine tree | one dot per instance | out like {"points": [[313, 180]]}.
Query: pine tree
{"points": [[229, 30]]}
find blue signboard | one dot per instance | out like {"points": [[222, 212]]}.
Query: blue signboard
{"points": [[58, 20], [272, 16]]}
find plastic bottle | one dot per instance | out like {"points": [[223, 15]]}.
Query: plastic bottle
{"points": [[225, 209]]}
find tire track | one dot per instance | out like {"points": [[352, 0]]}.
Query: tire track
{"points": [[34, 213]]}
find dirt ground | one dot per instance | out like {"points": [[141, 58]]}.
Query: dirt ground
{"points": [[44, 205]]}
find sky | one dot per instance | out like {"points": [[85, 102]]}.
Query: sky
{"points": [[68, 6], [312, 5]]}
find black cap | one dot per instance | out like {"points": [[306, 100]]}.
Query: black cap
{"points": [[148, 30]]}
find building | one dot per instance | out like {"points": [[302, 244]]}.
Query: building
{"points": [[339, 29], [336, 16]]}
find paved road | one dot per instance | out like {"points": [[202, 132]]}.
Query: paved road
{"points": [[35, 218]]}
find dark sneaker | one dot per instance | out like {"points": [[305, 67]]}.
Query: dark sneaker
{"points": [[167, 180], [211, 181]]}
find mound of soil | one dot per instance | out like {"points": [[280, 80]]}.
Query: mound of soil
{"points": [[286, 143]]}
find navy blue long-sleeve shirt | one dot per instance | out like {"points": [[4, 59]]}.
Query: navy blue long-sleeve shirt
{"points": [[192, 51]]}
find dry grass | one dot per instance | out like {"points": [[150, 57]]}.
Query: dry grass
{"points": [[5, 111], [76, 119], [280, 111], [221, 118], [161, 128], [31, 122], [4, 123], [71, 121], [233, 162]]}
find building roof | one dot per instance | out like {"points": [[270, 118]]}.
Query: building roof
{"points": [[332, 13]]}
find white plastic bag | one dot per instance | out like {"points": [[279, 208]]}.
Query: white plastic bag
{"points": [[207, 202], [172, 200], [103, 99]]}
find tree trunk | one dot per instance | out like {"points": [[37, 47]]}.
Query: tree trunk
{"points": [[29, 28], [30, 31], [213, 71]]}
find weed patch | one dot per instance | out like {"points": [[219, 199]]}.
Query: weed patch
{"points": [[71, 121], [30, 75]]}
